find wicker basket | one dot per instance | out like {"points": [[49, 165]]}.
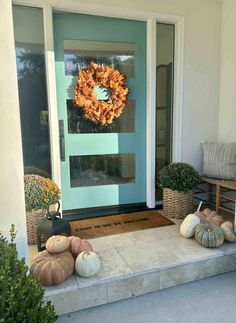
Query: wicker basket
{"points": [[177, 204], [33, 218]]}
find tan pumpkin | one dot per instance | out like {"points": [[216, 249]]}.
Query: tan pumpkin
{"points": [[57, 244], [207, 212], [228, 230], [52, 269], [212, 215], [78, 245], [208, 216], [217, 219], [201, 215]]}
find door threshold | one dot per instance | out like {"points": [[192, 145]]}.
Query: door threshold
{"points": [[77, 214]]}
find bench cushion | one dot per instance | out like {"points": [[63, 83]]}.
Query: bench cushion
{"points": [[219, 160]]}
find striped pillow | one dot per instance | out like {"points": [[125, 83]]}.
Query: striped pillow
{"points": [[219, 160]]}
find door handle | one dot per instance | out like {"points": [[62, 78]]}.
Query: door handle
{"points": [[62, 140]]}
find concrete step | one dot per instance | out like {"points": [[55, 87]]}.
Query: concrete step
{"points": [[138, 263]]}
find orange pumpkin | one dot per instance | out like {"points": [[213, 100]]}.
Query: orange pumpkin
{"points": [[52, 269], [77, 246]]}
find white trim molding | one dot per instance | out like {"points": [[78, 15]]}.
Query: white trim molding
{"points": [[152, 18], [178, 91], [99, 10], [151, 113], [51, 93], [151, 99]]}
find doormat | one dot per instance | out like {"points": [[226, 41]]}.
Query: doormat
{"points": [[115, 224]]}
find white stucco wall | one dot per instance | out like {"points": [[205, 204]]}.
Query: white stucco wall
{"points": [[227, 110], [202, 27], [12, 209]]}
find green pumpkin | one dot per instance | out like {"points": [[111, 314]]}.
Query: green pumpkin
{"points": [[209, 235]]}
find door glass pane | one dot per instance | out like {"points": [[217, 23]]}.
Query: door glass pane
{"points": [[102, 169], [29, 44], [77, 123], [79, 53], [164, 98]]}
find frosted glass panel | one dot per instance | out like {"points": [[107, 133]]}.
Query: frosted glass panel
{"points": [[79, 53], [102, 169]]}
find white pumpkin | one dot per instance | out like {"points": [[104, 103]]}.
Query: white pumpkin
{"points": [[87, 264], [188, 225]]}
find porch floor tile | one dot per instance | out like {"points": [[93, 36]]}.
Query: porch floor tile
{"points": [[188, 250], [148, 256], [113, 267], [109, 242]]}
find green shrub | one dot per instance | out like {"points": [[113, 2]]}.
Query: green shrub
{"points": [[40, 192], [29, 170], [180, 177], [21, 296]]}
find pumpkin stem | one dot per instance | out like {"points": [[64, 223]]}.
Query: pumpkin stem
{"points": [[86, 253], [199, 206]]}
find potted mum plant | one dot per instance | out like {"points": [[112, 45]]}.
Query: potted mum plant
{"points": [[40, 192], [29, 170], [178, 181]]}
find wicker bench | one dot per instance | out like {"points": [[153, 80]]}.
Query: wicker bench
{"points": [[221, 186]]}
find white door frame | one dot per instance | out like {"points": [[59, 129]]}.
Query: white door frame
{"points": [[151, 18]]}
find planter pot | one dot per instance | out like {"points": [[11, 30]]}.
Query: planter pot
{"points": [[33, 218], [177, 204]]}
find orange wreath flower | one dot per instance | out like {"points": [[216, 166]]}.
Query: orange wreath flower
{"points": [[100, 111]]}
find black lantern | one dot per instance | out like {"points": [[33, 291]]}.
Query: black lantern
{"points": [[52, 224]]}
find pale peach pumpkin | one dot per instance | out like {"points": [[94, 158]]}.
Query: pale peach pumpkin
{"points": [[57, 244], [78, 245], [228, 229], [52, 269], [208, 216]]}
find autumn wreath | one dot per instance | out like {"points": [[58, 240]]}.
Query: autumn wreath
{"points": [[101, 111]]}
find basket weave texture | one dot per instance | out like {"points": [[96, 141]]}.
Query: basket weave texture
{"points": [[33, 218], [177, 204]]}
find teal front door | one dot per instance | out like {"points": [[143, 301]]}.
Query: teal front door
{"points": [[101, 165]]}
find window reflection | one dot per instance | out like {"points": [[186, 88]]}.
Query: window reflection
{"points": [[32, 87], [164, 98], [79, 53]]}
